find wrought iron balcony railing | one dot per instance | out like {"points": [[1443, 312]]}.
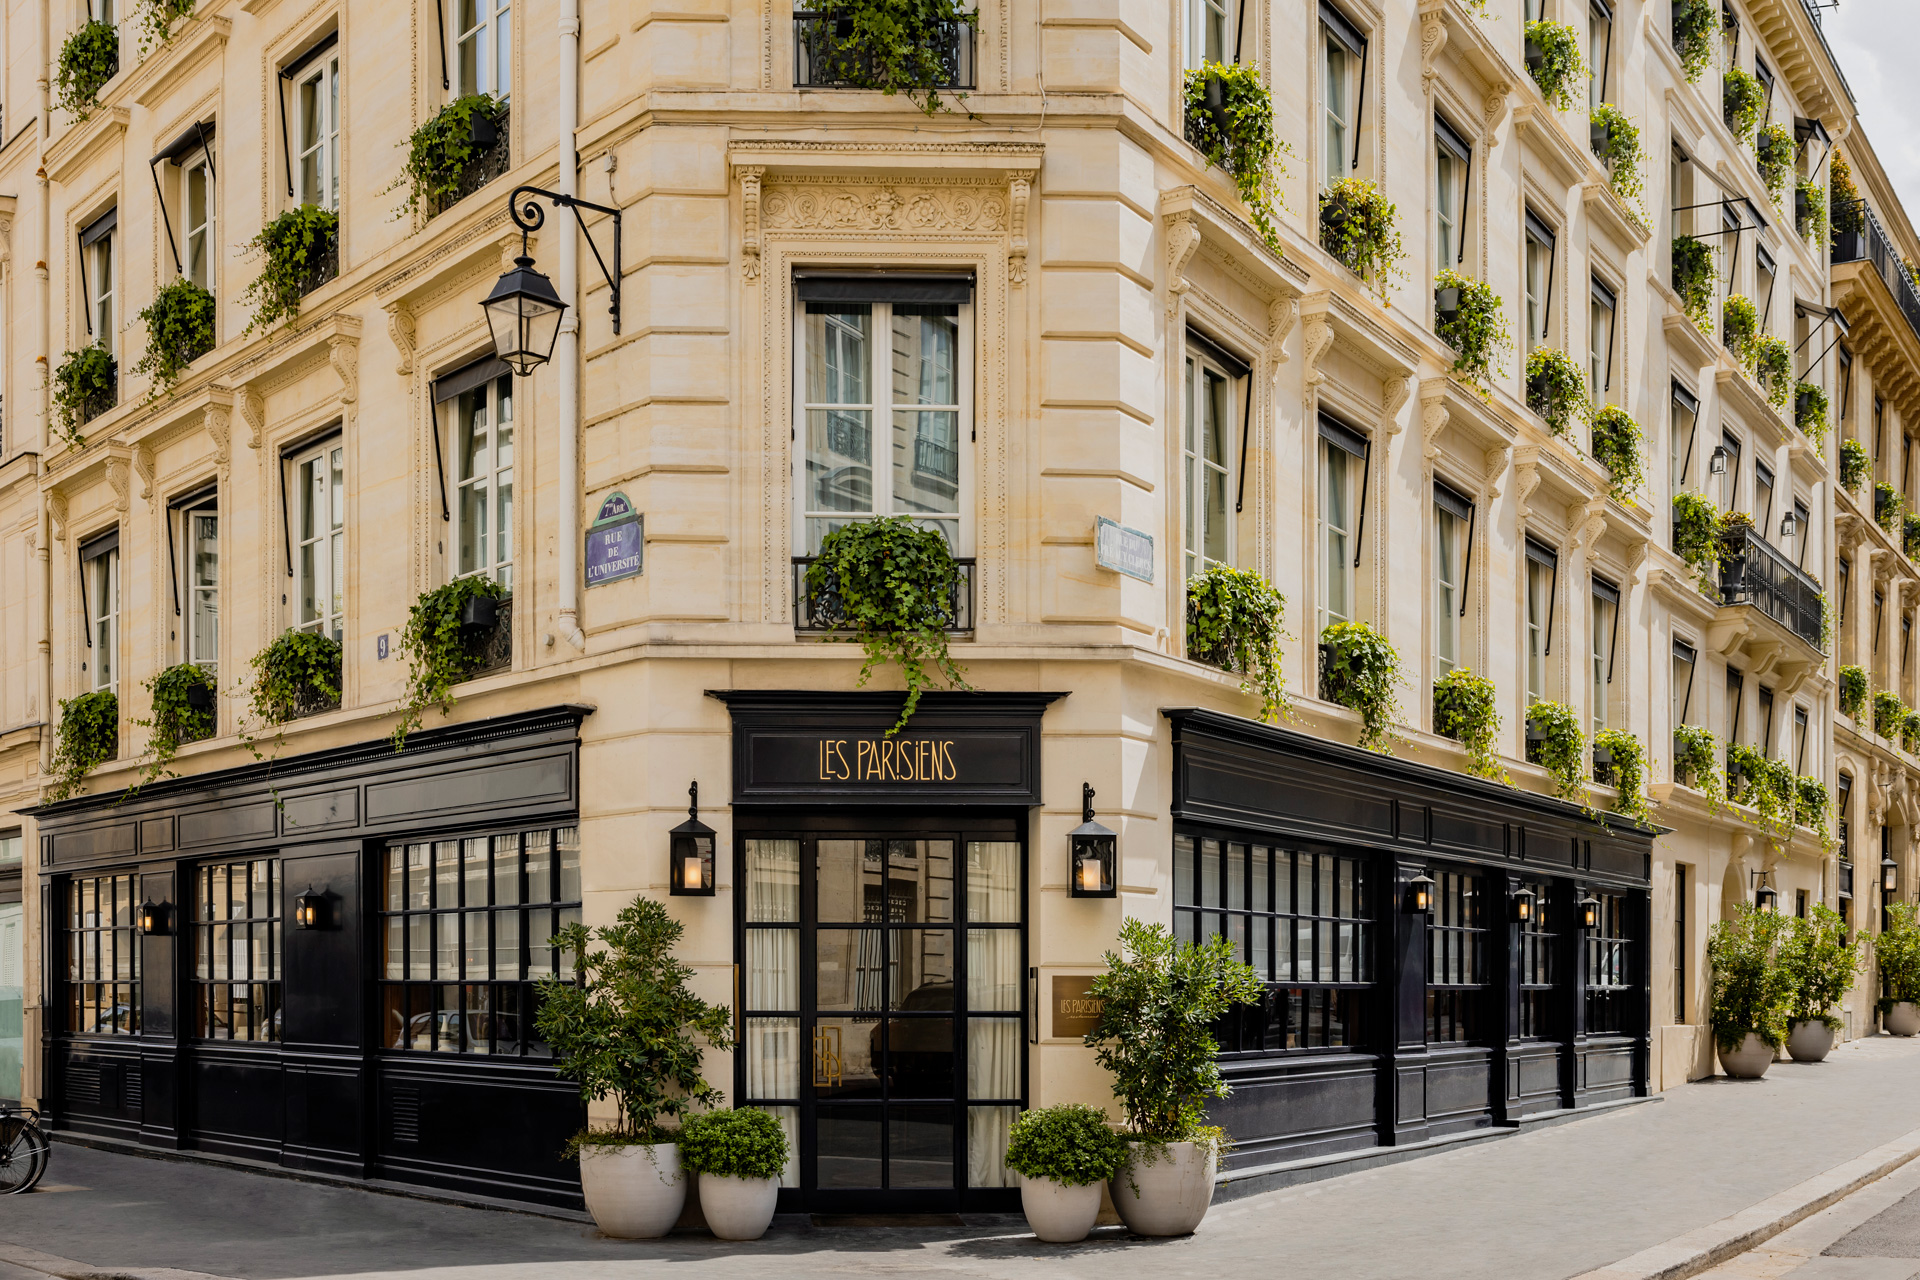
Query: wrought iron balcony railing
{"points": [[1872, 243], [823, 610], [493, 646], [1753, 572], [492, 160], [322, 267], [820, 61]]}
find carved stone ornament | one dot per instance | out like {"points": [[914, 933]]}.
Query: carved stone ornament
{"points": [[57, 513], [1589, 520], [401, 327], [1394, 394], [750, 175], [847, 207], [1526, 472], [122, 482], [1183, 241], [343, 353], [143, 467], [1433, 38], [1317, 336], [253, 408], [1498, 459], [1433, 414], [1019, 188], [1281, 314], [219, 421]]}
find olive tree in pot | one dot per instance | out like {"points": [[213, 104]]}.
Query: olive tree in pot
{"points": [[739, 1156], [1062, 1155], [1897, 951], [627, 1026], [1157, 1003], [1749, 991], [1820, 961]]}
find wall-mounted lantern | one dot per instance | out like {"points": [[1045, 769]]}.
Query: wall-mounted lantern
{"points": [[153, 918], [1764, 897], [1889, 875], [1420, 894], [690, 873], [523, 311], [1525, 903], [1589, 912], [310, 909], [1717, 462], [1094, 849]]}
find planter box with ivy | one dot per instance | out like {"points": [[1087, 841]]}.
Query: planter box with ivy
{"points": [[1616, 141], [1357, 226], [917, 48], [299, 252], [1739, 326], [1466, 709], [1470, 318], [1810, 407], [1360, 670], [1556, 744], [452, 634], [1854, 688], [1696, 763], [297, 675], [461, 149], [1764, 785], [1889, 714], [89, 736], [1810, 214], [1695, 24], [88, 59], [1696, 540], [1556, 387], [1771, 363], [1773, 154], [1694, 274], [1625, 765], [1554, 62], [179, 331], [85, 385], [1229, 118], [1617, 447], [1889, 504], [184, 698], [1741, 102], [1235, 622], [1854, 465]]}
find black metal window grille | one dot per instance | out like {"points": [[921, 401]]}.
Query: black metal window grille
{"points": [[103, 955], [1304, 920], [236, 944], [1607, 987], [464, 927], [1537, 942], [1680, 879], [1456, 959], [821, 59]]}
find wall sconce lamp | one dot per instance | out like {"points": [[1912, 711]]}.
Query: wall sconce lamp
{"points": [[1525, 903], [1764, 897], [690, 870], [1789, 528], [1420, 894], [523, 311], [1589, 912], [1094, 849], [1889, 875], [1717, 461], [153, 918], [310, 909]]}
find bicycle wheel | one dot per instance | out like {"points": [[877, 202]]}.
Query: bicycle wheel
{"points": [[23, 1154]]}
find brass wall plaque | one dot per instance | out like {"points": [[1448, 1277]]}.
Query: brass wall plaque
{"points": [[1074, 1008]]}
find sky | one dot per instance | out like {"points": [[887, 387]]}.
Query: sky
{"points": [[1874, 42]]}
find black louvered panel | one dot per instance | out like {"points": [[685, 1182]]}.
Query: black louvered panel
{"points": [[83, 1085], [132, 1089], [406, 1115]]}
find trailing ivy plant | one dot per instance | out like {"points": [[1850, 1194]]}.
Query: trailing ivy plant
{"points": [[1616, 445], [1888, 506], [1819, 960], [1562, 752], [1773, 368], [89, 58], [1478, 331], [1773, 153], [179, 324], [1360, 670], [1897, 949], [1696, 539], [1854, 688], [1466, 709], [1741, 101], [1854, 465], [1750, 988], [89, 735], [1694, 273], [1629, 773], [1765, 785], [174, 719], [292, 248], [1889, 714], [1810, 406], [85, 383], [1247, 148], [1739, 326], [1561, 69], [440, 653], [1695, 22], [1357, 227], [300, 670], [1622, 156], [440, 151], [1813, 224], [1847, 212], [1910, 731], [1235, 622], [894, 579], [1696, 764], [1556, 387], [1910, 534], [156, 21], [895, 46], [1810, 809]]}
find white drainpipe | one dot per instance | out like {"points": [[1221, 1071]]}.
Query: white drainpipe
{"points": [[43, 298], [566, 361]]}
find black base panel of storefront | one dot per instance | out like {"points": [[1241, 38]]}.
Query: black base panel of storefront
{"points": [[325, 1097], [1239, 780]]}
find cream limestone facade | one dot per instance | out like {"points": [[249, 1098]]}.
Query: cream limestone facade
{"points": [[1087, 271]]}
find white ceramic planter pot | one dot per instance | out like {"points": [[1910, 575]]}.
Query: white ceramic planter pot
{"points": [[738, 1208], [1058, 1213], [1809, 1041], [1170, 1196], [1904, 1018], [1750, 1061], [636, 1192]]}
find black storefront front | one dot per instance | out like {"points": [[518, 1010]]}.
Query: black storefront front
{"points": [[1442, 954], [325, 963]]}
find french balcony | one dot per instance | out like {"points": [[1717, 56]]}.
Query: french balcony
{"points": [[491, 160], [820, 63], [822, 611], [1872, 246], [1756, 578]]}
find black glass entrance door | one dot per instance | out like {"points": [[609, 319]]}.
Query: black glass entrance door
{"points": [[883, 1012]]}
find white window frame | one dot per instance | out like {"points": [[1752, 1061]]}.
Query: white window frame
{"points": [[204, 233], [324, 77], [1541, 247], [491, 37], [329, 485], [1450, 551], [97, 269], [100, 579], [1603, 336], [1600, 34], [1683, 424], [1341, 69], [1605, 624], [1200, 15], [497, 539], [1200, 473], [198, 598], [1339, 468], [1540, 586]]}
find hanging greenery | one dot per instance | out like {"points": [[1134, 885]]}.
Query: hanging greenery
{"points": [[1847, 210], [1694, 25], [1622, 156], [1739, 326], [1696, 539], [179, 324], [89, 736], [183, 712], [1556, 744], [1773, 368], [1694, 274], [298, 674], [1910, 534], [1764, 785], [1234, 622], [1357, 227], [1742, 100], [1910, 730], [895, 580], [1889, 713], [1359, 670], [1854, 465], [1629, 773], [156, 21], [297, 249], [1810, 810], [89, 58], [1466, 709], [1773, 152], [1810, 210], [895, 46], [1247, 148], [1558, 69], [1853, 691], [440, 151], [440, 650], [1696, 764], [1888, 505], [1810, 412], [1556, 387], [1616, 445], [85, 385], [1477, 332]]}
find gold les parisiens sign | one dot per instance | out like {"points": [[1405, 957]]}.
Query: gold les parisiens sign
{"points": [[882, 759]]}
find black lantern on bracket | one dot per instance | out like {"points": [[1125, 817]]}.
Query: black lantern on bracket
{"points": [[1420, 894], [1889, 875], [153, 918], [1717, 462], [1094, 849], [310, 910], [523, 311], [1525, 903], [1764, 897], [690, 873], [1589, 912]]}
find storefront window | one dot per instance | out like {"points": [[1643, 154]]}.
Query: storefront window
{"points": [[1456, 959], [1537, 940], [103, 956], [1607, 990], [236, 940], [464, 927], [13, 929]]}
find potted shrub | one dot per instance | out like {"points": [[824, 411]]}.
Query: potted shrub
{"points": [[1695, 22], [300, 251], [1896, 950], [1063, 1154], [739, 1156], [1556, 387], [1159, 998], [1556, 744], [1234, 622], [1626, 772], [1773, 154], [444, 642], [1616, 446], [1475, 326], [1357, 227], [1749, 991], [85, 385], [182, 712], [1810, 412], [1854, 465], [447, 152], [89, 736], [1230, 119], [1819, 961], [893, 582], [1465, 709], [1358, 670], [1696, 763], [1693, 278], [179, 324], [627, 1027], [1853, 691], [297, 675], [1810, 216], [88, 59], [1554, 62], [1888, 505], [1696, 539], [1741, 102], [1616, 140]]}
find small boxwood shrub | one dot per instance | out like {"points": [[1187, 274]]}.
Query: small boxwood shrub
{"points": [[744, 1143], [1072, 1144]]}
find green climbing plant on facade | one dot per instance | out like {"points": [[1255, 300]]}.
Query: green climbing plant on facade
{"points": [[440, 649], [1854, 688], [1235, 621], [1694, 274], [1696, 539], [894, 46], [1553, 59], [297, 674], [1617, 446], [1477, 331], [1696, 764], [440, 151], [1555, 743], [1246, 147], [1810, 407], [295, 250], [85, 384], [1629, 769], [1466, 709], [89, 736], [1773, 152], [1854, 465], [179, 324], [1360, 670], [1556, 388], [88, 59], [1742, 100], [1695, 23], [183, 711], [1622, 156], [1358, 226]]}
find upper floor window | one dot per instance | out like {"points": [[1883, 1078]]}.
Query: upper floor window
{"points": [[107, 11], [1208, 36], [1802, 526], [1736, 694], [1207, 452], [1452, 161], [198, 246], [1601, 311], [97, 269], [1342, 90], [1763, 711], [1599, 49], [478, 402], [197, 578], [1685, 662], [1539, 281], [1730, 479], [1543, 573], [1763, 498], [319, 486], [100, 578], [1606, 632], [1343, 456], [1763, 280], [1452, 528], [887, 355], [1680, 432], [1800, 740], [316, 127], [483, 46]]}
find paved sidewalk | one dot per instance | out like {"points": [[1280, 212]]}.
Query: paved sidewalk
{"points": [[1873, 1234], [1539, 1206]]}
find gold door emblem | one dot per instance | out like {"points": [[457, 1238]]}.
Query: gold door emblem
{"points": [[826, 1057]]}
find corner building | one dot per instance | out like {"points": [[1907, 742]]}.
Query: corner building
{"points": [[1021, 324]]}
